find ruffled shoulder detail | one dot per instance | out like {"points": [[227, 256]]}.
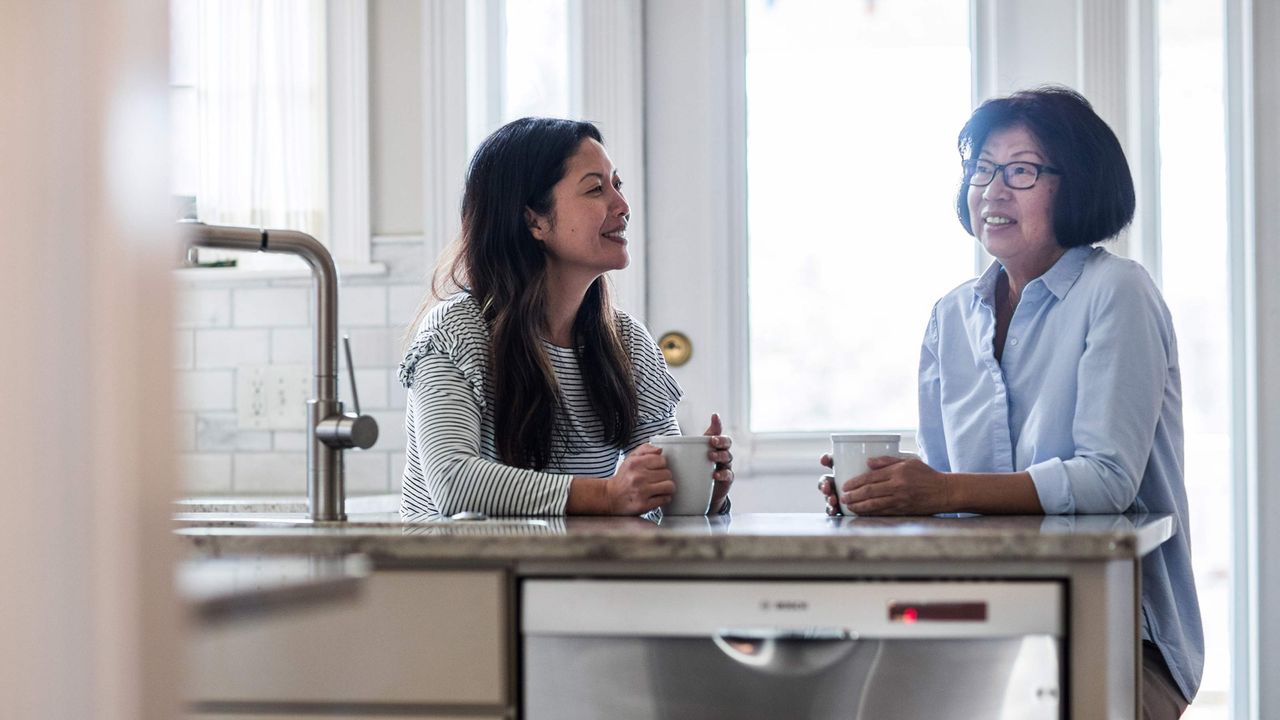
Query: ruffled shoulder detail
{"points": [[456, 329], [657, 392]]}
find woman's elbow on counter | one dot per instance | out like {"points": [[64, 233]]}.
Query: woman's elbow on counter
{"points": [[443, 480], [1105, 488]]}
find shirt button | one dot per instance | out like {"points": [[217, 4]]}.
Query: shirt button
{"points": [[1013, 341]]}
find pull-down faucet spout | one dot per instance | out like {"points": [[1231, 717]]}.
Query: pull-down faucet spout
{"points": [[329, 429]]}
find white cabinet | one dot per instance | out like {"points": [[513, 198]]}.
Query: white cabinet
{"points": [[413, 643], [327, 716]]}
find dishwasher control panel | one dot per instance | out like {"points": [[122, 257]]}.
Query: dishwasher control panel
{"points": [[885, 609], [913, 612]]}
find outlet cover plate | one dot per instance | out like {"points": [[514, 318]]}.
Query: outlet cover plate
{"points": [[272, 397]]}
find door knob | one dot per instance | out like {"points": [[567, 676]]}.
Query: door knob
{"points": [[676, 348]]}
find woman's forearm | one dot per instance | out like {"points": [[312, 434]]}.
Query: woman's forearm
{"points": [[993, 493]]}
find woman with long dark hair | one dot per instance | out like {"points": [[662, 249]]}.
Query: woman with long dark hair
{"points": [[529, 392]]}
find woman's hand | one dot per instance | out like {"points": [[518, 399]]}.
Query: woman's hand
{"points": [[897, 486], [720, 455], [641, 484]]}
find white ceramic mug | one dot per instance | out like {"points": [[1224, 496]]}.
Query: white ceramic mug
{"points": [[850, 453], [691, 470]]}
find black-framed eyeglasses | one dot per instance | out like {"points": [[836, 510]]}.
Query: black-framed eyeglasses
{"points": [[1017, 175]]}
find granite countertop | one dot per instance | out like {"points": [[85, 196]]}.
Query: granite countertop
{"points": [[223, 589], [744, 537], [280, 504]]}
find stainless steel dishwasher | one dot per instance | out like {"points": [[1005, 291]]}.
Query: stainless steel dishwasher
{"points": [[870, 650]]}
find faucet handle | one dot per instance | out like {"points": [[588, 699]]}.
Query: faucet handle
{"points": [[351, 373], [346, 430]]}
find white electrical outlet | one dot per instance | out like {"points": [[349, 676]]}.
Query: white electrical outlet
{"points": [[251, 397], [273, 397]]}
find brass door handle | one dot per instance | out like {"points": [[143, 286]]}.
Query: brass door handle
{"points": [[676, 348]]}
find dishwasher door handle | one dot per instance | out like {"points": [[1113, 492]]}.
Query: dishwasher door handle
{"points": [[776, 633], [786, 651]]}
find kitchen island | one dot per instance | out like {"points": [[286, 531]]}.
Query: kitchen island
{"points": [[467, 583]]}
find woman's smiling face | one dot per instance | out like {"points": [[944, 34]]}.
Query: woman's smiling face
{"points": [[1015, 225], [586, 230]]}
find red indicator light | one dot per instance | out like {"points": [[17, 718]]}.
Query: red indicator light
{"points": [[910, 615]]}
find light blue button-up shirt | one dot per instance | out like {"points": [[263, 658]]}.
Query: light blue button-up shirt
{"points": [[1086, 398]]}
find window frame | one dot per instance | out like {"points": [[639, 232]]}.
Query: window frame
{"points": [[350, 229]]}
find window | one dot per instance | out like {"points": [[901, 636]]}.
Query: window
{"points": [[537, 77], [250, 116], [520, 63], [1194, 270], [852, 113]]}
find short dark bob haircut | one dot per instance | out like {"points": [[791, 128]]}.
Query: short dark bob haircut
{"points": [[1095, 199]]}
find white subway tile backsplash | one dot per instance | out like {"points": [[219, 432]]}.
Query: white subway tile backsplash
{"points": [[271, 307], [247, 323], [273, 472], [371, 384], [402, 304], [184, 342], [292, 346], [390, 429], [205, 473], [289, 440], [362, 306], [372, 347], [366, 471], [204, 307], [231, 348], [396, 393], [220, 432], [205, 390]]}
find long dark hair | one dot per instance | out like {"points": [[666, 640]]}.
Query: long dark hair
{"points": [[498, 261]]}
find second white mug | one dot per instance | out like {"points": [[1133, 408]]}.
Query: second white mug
{"points": [[849, 455]]}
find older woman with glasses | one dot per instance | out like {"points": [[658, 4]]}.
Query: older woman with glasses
{"points": [[1050, 384]]}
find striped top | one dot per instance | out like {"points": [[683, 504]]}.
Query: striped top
{"points": [[451, 460]]}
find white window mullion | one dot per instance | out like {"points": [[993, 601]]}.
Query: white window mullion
{"points": [[486, 68], [1142, 139], [349, 189], [444, 117], [1253, 111], [1245, 691]]}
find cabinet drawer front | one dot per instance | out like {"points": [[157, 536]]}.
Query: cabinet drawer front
{"points": [[437, 637], [329, 716]]}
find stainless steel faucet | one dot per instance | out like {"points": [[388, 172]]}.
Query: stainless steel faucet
{"points": [[329, 429]]}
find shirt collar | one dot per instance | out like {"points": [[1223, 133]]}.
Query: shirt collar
{"points": [[1066, 271], [985, 287], [1057, 279]]}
